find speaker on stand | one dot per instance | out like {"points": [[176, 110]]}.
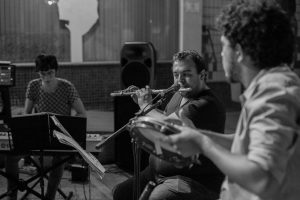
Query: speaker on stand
{"points": [[138, 60]]}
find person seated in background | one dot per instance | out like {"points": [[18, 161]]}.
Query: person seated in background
{"points": [[199, 107], [49, 93], [262, 159]]}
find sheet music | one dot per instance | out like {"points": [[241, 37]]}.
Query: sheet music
{"points": [[60, 126], [66, 139]]}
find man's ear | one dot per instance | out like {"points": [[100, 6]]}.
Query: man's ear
{"points": [[239, 53], [203, 74]]}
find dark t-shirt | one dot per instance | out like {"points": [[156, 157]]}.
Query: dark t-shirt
{"points": [[206, 112]]}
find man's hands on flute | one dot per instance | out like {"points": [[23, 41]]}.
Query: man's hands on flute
{"points": [[142, 96]]}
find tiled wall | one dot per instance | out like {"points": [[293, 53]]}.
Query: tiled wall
{"points": [[95, 82]]}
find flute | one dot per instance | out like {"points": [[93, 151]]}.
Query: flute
{"points": [[153, 91]]}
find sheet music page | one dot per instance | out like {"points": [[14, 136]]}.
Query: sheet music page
{"points": [[60, 126], [66, 138], [88, 157]]}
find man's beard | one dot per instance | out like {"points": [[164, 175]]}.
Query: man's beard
{"points": [[188, 95]]}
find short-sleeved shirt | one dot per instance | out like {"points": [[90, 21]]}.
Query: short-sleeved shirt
{"points": [[268, 133], [206, 112], [60, 101]]}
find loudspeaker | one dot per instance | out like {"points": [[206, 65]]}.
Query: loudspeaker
{"points": [[138, 60], [125, 108]]}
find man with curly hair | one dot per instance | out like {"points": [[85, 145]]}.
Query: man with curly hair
{"points": [[261, 160]]}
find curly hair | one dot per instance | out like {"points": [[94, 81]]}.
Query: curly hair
{"points": [[194, 56], [262, 29]]}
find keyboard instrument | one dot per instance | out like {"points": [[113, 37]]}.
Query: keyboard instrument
{"points": [[5, 141], [5, 144]]}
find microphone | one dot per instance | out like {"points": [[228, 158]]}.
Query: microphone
{"points": [[173, 88], [161, 91]]}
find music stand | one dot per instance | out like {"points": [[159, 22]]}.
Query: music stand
{"points": [[34, 134]]}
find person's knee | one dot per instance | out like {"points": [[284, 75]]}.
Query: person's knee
{"points": [[154, 197], [116, 192], [11, 161], [123, 190], [161, 192], [119, 192], [11, 166]]}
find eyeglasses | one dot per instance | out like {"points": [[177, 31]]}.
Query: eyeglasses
{"points": [[46, 73]]}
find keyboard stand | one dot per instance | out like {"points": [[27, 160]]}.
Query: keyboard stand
{"points": [[23, 185], [39, 167]]}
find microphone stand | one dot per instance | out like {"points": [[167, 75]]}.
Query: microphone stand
{"points": [[152, 107], [137, 150], [135, 147], [138, 114], [112, 136]]}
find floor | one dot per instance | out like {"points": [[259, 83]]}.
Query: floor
{"points": [[95, 188]]}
